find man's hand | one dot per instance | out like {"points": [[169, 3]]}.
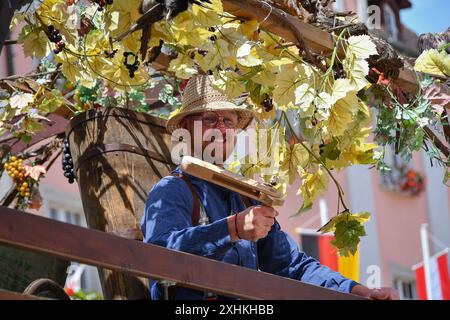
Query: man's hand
{"points": [[252, 224], [376, 294]]}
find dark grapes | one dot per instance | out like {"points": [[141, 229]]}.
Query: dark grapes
{"points": [[56, 38], [67, 162], [102, 3], [267, 104]]}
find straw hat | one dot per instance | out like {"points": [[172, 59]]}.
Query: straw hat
{"points": [[200, 96]]}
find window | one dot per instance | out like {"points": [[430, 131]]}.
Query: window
{"points": [[390, 23], [398, 165], [65, 216], [406, 288], [54, 214]]}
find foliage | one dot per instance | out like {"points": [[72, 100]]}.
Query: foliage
{"points": [[401, 122], [348, 228]]}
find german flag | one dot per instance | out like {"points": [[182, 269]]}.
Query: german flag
{"points": [[319, 247]]}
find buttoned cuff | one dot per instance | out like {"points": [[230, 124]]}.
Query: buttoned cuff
{"points": [[218, 230]]}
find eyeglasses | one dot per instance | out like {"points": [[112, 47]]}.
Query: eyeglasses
{"points": [[212, 119]]}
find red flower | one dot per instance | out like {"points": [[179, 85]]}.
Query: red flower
{"points": [[411, 175], [69, 291], [382, 79], [411, 184]]}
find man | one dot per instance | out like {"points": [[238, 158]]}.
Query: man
{"points": [[249, 237]]}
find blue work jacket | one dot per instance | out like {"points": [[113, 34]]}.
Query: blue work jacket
{"points": [[167, 222]]}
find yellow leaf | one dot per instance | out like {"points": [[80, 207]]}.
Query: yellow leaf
{"points": [[342, 114], [287, 80], [229, 83], [434, 62], [265, 78], [296, 159], [186, 33], [323, 103], [361, 47], [215, 5], [313, 185], [358, 153], [356, 71], [20, 100], [183, 66], [36, 44], [70, 68], [159, 32], [230, 32], [341, 88], [304, 97], [115, 71], [248, 28], [247, 56], [96, 41], [205, 17], [214, 57], [234, 166]]}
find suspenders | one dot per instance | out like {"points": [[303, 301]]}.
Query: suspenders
{"points": [[199, 217]]}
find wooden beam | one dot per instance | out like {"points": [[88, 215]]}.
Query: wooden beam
{"points": [[280, 23], [9, 295], [97, 248], [288, 27]]}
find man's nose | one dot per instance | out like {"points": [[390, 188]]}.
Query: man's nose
{"points": [[221, 126]]}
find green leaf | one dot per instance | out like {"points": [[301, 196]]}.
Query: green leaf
{"points": [[348, 229], [347, 236]]}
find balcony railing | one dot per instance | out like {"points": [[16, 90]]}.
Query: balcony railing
{"points": [[73, 243]]}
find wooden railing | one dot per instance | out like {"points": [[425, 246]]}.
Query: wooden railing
{"points": [[69, 242]]}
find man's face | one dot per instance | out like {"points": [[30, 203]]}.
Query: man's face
{"points": [[218, 131]]}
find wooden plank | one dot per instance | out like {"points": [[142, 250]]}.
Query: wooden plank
{"points": [[97, 248], [9, 295]]}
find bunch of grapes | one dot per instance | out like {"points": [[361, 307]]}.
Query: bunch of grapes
{"points": [[102, 3], [56, 38], [67, 162], [17, 172], [267, 104], [131, 66]]}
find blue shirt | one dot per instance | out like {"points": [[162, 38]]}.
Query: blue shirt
{"points": [[167, 222]]}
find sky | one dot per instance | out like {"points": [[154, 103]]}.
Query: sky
{"points": [[427, 16]]}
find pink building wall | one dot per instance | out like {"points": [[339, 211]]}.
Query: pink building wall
{"points": [[398, 224], [22, 64]]}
